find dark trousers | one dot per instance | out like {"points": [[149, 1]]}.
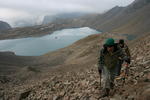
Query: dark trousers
{"points": [[110, 74], [119, 66]]}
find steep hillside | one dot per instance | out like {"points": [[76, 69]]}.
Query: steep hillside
{"points": [[74, 75], [138, 15], [10, 63], [83, 54], [133, 19], [4, 26]]}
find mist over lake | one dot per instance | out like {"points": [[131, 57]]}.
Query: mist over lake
{"points": [[36, 46]]}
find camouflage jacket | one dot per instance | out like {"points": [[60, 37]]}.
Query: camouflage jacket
{"points": [[126, 50], [111, 60]]}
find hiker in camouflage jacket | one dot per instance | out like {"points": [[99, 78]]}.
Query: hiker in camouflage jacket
{"points": [[109, 62], [125, 49]]}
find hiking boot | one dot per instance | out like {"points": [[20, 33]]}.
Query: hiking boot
{"points": [[105, 92]]}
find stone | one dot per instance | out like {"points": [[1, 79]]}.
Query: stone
{"points": [[62, 93], [1, 95], [139, 58], [147, 67], [84, 82], [24, 94], [141, 74]]}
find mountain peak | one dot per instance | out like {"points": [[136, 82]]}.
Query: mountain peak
{"points": [[139, 3]]}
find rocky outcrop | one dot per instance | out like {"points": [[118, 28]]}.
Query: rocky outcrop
{"points": [[4, 26]]}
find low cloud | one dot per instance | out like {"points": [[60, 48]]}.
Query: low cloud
{"points": [[12, 10]]}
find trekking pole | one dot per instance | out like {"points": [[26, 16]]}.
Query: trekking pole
{"points": [[100, 74], [100, 79]]}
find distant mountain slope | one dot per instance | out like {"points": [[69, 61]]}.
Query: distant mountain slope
{"points": [[58, 17], [4, 26], [133, 19]]}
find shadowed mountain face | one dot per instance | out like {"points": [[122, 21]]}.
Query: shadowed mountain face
{"points": [[135, 18], [4, 26], [137, 4], [131, 19]]}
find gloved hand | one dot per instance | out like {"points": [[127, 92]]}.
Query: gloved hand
{"points": [[128, 60]]}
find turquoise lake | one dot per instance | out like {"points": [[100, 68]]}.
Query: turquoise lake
{"points": [[36, 46]]}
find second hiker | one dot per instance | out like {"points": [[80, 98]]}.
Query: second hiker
{"points": [[125, 49]]}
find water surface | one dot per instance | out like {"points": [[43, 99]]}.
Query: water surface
{"points": [[35, 46]]}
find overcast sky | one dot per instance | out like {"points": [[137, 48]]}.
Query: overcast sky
{"points": [[12, 10]]}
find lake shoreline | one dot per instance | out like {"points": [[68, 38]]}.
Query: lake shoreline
{"points": [[37, 46]]}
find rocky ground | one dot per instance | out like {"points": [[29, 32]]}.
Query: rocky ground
{"points": [[81, 81]]}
